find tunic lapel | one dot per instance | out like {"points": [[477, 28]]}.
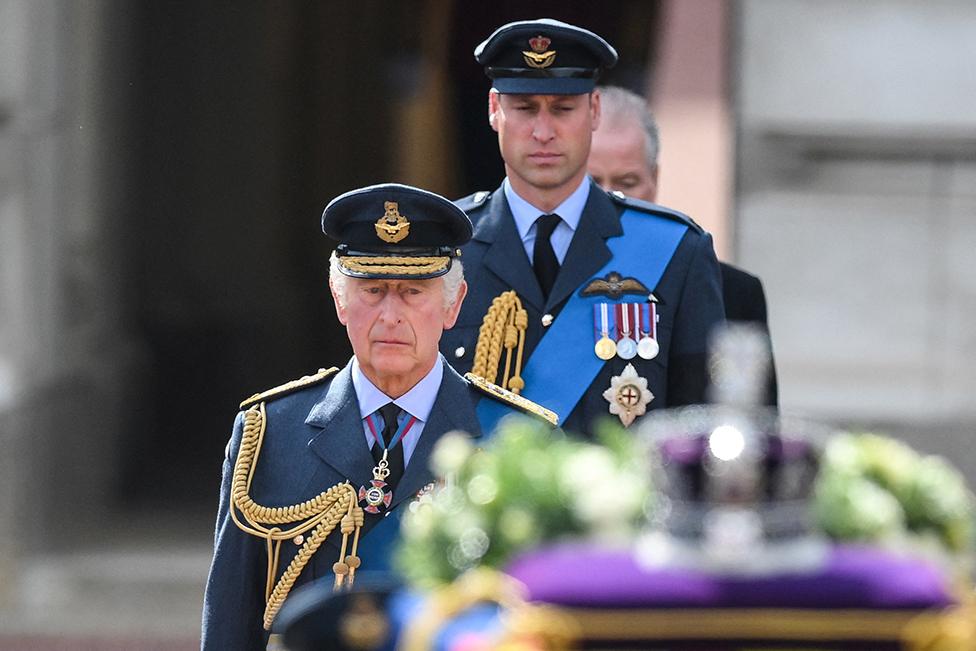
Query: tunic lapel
{"points": [[505, 256], [341, 443], [453, 410]]}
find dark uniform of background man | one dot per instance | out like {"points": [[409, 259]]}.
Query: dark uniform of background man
{"points": [[624, 157], [345, 448], [599, 249]]}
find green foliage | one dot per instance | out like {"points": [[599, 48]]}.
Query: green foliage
{"points": [[531, 486], [874, 488], [528, 486]]}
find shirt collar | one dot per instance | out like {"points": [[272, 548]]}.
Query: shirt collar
{"points": [[418, 401], [525, 213]]}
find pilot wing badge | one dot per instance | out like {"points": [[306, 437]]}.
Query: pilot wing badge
{"points": [[613, 285]]}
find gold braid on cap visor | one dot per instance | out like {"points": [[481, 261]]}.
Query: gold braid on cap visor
{"points": [[402, 265]]}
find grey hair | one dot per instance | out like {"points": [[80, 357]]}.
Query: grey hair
{"points": [[619, 104], [452, 281]]}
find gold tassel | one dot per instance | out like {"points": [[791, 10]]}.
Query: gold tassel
{"points": [[503, 327]]}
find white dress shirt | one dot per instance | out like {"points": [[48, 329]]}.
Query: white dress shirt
{"points": [[570, 210], [416, 402]]}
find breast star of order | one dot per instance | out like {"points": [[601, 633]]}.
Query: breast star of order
{"points": [[628, 395]]}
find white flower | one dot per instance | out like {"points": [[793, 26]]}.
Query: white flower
{"points": [[603, 496], [450, 453], [585, 467]]}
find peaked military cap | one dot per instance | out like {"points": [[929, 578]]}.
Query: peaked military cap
{"points": [[395, 231], [544, 56]]}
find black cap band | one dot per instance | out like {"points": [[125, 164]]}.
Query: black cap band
{"points": [[495, 72]]}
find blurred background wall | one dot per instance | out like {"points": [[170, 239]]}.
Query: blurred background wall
{"points": [[162, 170]]}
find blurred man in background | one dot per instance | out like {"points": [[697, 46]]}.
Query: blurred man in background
{"points": [[624, 158]]}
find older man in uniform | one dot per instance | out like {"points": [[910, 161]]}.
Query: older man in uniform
{"points": [[624, 158], [315, 467], [605, 301]]}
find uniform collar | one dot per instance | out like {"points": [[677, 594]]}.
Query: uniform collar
{"points": [[417, 402], [525, 213]]}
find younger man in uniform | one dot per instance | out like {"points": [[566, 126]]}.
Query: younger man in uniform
{"points": [[614, 298]]}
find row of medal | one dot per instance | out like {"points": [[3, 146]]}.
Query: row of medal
{"points": [[625, 330]]}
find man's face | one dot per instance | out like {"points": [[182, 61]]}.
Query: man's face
{"points": [[544, 139], [394, 326], [617, 161]]}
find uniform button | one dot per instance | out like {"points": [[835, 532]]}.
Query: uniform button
{"points": [[299, 539], [459, 352], [547, 320]]}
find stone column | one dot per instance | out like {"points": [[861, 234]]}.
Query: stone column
{"points": [[62, 349]]}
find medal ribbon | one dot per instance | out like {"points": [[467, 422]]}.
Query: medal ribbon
{"points": [[604, 323], [400, 433], [624, 311], [644, 250], [648, 320]]}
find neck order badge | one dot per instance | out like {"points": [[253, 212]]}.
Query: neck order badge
{"points": [[378, 495]]}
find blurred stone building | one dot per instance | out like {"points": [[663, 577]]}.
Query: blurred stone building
{"points": [[162, 167]]}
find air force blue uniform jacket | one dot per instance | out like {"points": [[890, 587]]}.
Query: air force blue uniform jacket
{"points": [[689, 295], [313, 441]]}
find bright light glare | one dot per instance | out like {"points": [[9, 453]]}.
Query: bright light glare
{"points": [[726, 442]]}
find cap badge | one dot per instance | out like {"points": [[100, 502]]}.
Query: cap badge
{"points": [[363, 624], [628, 395], [392, 226], [540, 56]]}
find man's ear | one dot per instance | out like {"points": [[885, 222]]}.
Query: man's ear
{"points": [[494, 107], [451, 314], [653, 193], [595, 108], [340, 311]]}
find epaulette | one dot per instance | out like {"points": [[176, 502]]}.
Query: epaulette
{"points": [[654, 209], [522, 404], [290, 387], [473, 201]]}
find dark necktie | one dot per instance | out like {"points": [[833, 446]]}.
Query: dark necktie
{"points": [[544, 259], [394, 457]]}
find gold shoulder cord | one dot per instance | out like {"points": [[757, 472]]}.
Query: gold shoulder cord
{"points": [[338, 505], [502, 327]]}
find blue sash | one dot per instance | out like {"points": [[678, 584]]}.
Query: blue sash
{"points": [[560, 369]]}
